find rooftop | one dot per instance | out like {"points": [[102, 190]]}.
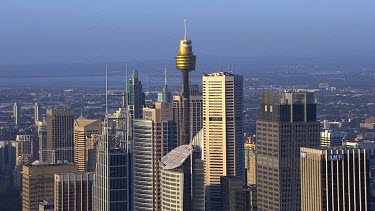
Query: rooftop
{"points": [[176, 157], [219, 74]]}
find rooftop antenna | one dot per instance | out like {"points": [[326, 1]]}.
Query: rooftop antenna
{"points": [[106, 144], [185, 34], [165, 76], [106, 90], [126, 86], [126, 78], [147, 85], [287, 78]]}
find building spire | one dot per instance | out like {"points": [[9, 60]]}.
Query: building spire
{"points": [[165, 76], [185, 34]]}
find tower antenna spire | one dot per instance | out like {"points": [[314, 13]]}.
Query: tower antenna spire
{"points": [[106, 89], [185, 34], [165, 76]]}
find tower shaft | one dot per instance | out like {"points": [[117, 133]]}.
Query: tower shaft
{"points": [[185, 138]]}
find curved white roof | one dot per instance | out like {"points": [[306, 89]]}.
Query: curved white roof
{"points": [[176, 157]]}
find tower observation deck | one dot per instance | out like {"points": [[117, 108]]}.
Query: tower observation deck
{"points": [[185, 62]]}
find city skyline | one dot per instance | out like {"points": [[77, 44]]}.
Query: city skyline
{"points": [[252, 135]]}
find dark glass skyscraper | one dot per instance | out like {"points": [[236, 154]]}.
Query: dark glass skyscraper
{"points": [[135, 96], [288, 122]]}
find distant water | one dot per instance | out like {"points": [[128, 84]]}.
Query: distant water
{"points": [[90, 81], [86, 76]]}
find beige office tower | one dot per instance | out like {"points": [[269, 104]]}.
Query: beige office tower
{"points": [[73, 191], [287, 122], [336, 178], [196, 106], [84, 131], [250, 163], [223, 132], [153, 137], [60, 136], [38, 182]]}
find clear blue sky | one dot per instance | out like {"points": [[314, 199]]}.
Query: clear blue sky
{"points": [[69, 31]]}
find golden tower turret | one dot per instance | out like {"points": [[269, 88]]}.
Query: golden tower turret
{"points": [[185, 61]]}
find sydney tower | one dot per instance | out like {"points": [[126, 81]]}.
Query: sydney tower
{"points": [[185, 61]]}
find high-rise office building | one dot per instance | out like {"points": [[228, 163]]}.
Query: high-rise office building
{"points": [[135, 96], [16, 113], [111, 181], [370, 152], [287, 122], [60, 136], [42, 140], [26, 152], [165, 95], [197, 176], [331, 138], [335, 178], [196, 109], [236, 196], [111, 186], [250, 163], [223, 132], [153, 137], [177, 184], [73, 191], [7, 157], [174, 179], [84, 129], [26, 149], [36, 113], [143, 172], [38, 182]]}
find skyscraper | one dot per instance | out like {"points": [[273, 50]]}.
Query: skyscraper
{"points": [[153, 137], [25, 149], [331, 138], [36, 113], [175, 182], [42, 139], [165, 96], [16, 113], [60, 136], [7, 157], [143, 172], [185, 61], [287, 122], [73, 191], [196, 109], [236, 196], [111, 185], [135, 96], [335, 178], [83, 131], [223, 132], [178, 186], [38, 182], [250, 163]]}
